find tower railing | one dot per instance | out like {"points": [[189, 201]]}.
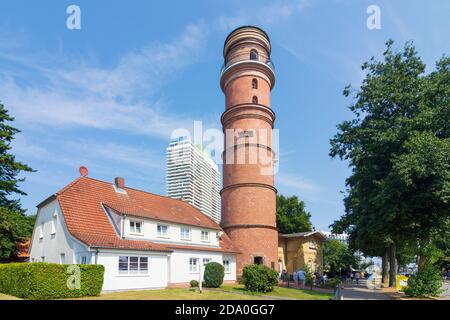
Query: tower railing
{"points": [[245, 58]]}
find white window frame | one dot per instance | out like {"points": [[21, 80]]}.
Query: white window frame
{"points": [[160, 234], [41, 231], [205, 261], [226, 266], [191, 265], [62, 258], [207, 239], [133, 229], [128, 271], [183, 237], [54, 223]]}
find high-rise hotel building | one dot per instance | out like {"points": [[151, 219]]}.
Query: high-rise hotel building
{"points": [[192, 176]]}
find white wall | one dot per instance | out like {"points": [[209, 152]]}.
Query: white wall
{"points": [[230, 276], [179, 265], [156, 277], [150, 233], [51, 246]]}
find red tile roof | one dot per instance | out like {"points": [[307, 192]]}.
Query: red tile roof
{"points": [[82, 203]]}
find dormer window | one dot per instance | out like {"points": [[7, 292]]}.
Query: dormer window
{"points": [[136, 227], [253, 55], [162, 230], [205, 236], [255, 100], [185, 234]]}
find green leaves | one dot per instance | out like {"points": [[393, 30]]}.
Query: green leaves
{"points": [[399, 150], [14, 224], [291, 215]]}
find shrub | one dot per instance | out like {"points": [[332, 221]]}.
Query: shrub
{"points": [[259, 278], [194, 283], [332, 283], [213, 276], [427, 283], [41, 281]]}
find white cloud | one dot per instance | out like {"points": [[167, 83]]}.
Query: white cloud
{"points": [[296, 183], [81, 95]]}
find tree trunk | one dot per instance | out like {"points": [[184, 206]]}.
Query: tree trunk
{"points": [[385, 268], [392, 265]]}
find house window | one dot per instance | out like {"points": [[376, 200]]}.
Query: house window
{"points": [[162, 230], [205, 236], [193, 265], [135, 227], [255, 100], [133, 265], [62, 258], [254, 84], [83, 260], [226, 266], [42, 259], [253, 55], [41, 231], [206, 261], [54, 220], [312, 244], [185, 233]]}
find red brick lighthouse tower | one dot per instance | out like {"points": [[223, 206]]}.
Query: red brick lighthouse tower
{"points": [[248, 194]]}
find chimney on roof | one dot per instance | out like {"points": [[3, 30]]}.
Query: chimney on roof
{"points": [[119, 182]]}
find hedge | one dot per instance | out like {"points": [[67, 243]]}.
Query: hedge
{"points": [[42, 281], [214, 274]]}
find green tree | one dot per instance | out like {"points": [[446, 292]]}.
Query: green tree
{"points": [[14, 224], [398, 148], [291, 215], [338, 257]]}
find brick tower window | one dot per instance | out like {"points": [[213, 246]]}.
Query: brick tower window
{"points": [[258, 260], [254, 84], [253, 55], [255, 100]]}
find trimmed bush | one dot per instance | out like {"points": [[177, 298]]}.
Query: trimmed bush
{"points": [[194, 283], [213, 276], [42, 281], [259, 278], [332, 283], [427, 283]]}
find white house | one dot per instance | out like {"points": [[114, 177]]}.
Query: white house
{"points": [[143, 240]]}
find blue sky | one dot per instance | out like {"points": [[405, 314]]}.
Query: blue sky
{"points": [[109, 95]]}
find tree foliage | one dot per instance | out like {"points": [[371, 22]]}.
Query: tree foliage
{"points": [[291, 215], [337, 256], [14, 224], [398, 146]]}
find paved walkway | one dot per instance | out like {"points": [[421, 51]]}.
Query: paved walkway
{"points": [[446, 294], [361, 292]]}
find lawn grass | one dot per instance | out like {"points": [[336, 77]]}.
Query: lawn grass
{"points": [[282, 292], [225, 292], [172, 294]]}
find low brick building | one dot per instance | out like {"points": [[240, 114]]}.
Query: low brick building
{"points": [[300, 250]]}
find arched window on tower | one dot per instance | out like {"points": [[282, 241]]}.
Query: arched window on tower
{"points": [[254, 84], [255, 100], [253, 54]]}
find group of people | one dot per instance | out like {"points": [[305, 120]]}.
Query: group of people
{"points": [[299, 278]]}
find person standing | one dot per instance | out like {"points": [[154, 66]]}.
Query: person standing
{"points": [[301, 278], [357, 276]]}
